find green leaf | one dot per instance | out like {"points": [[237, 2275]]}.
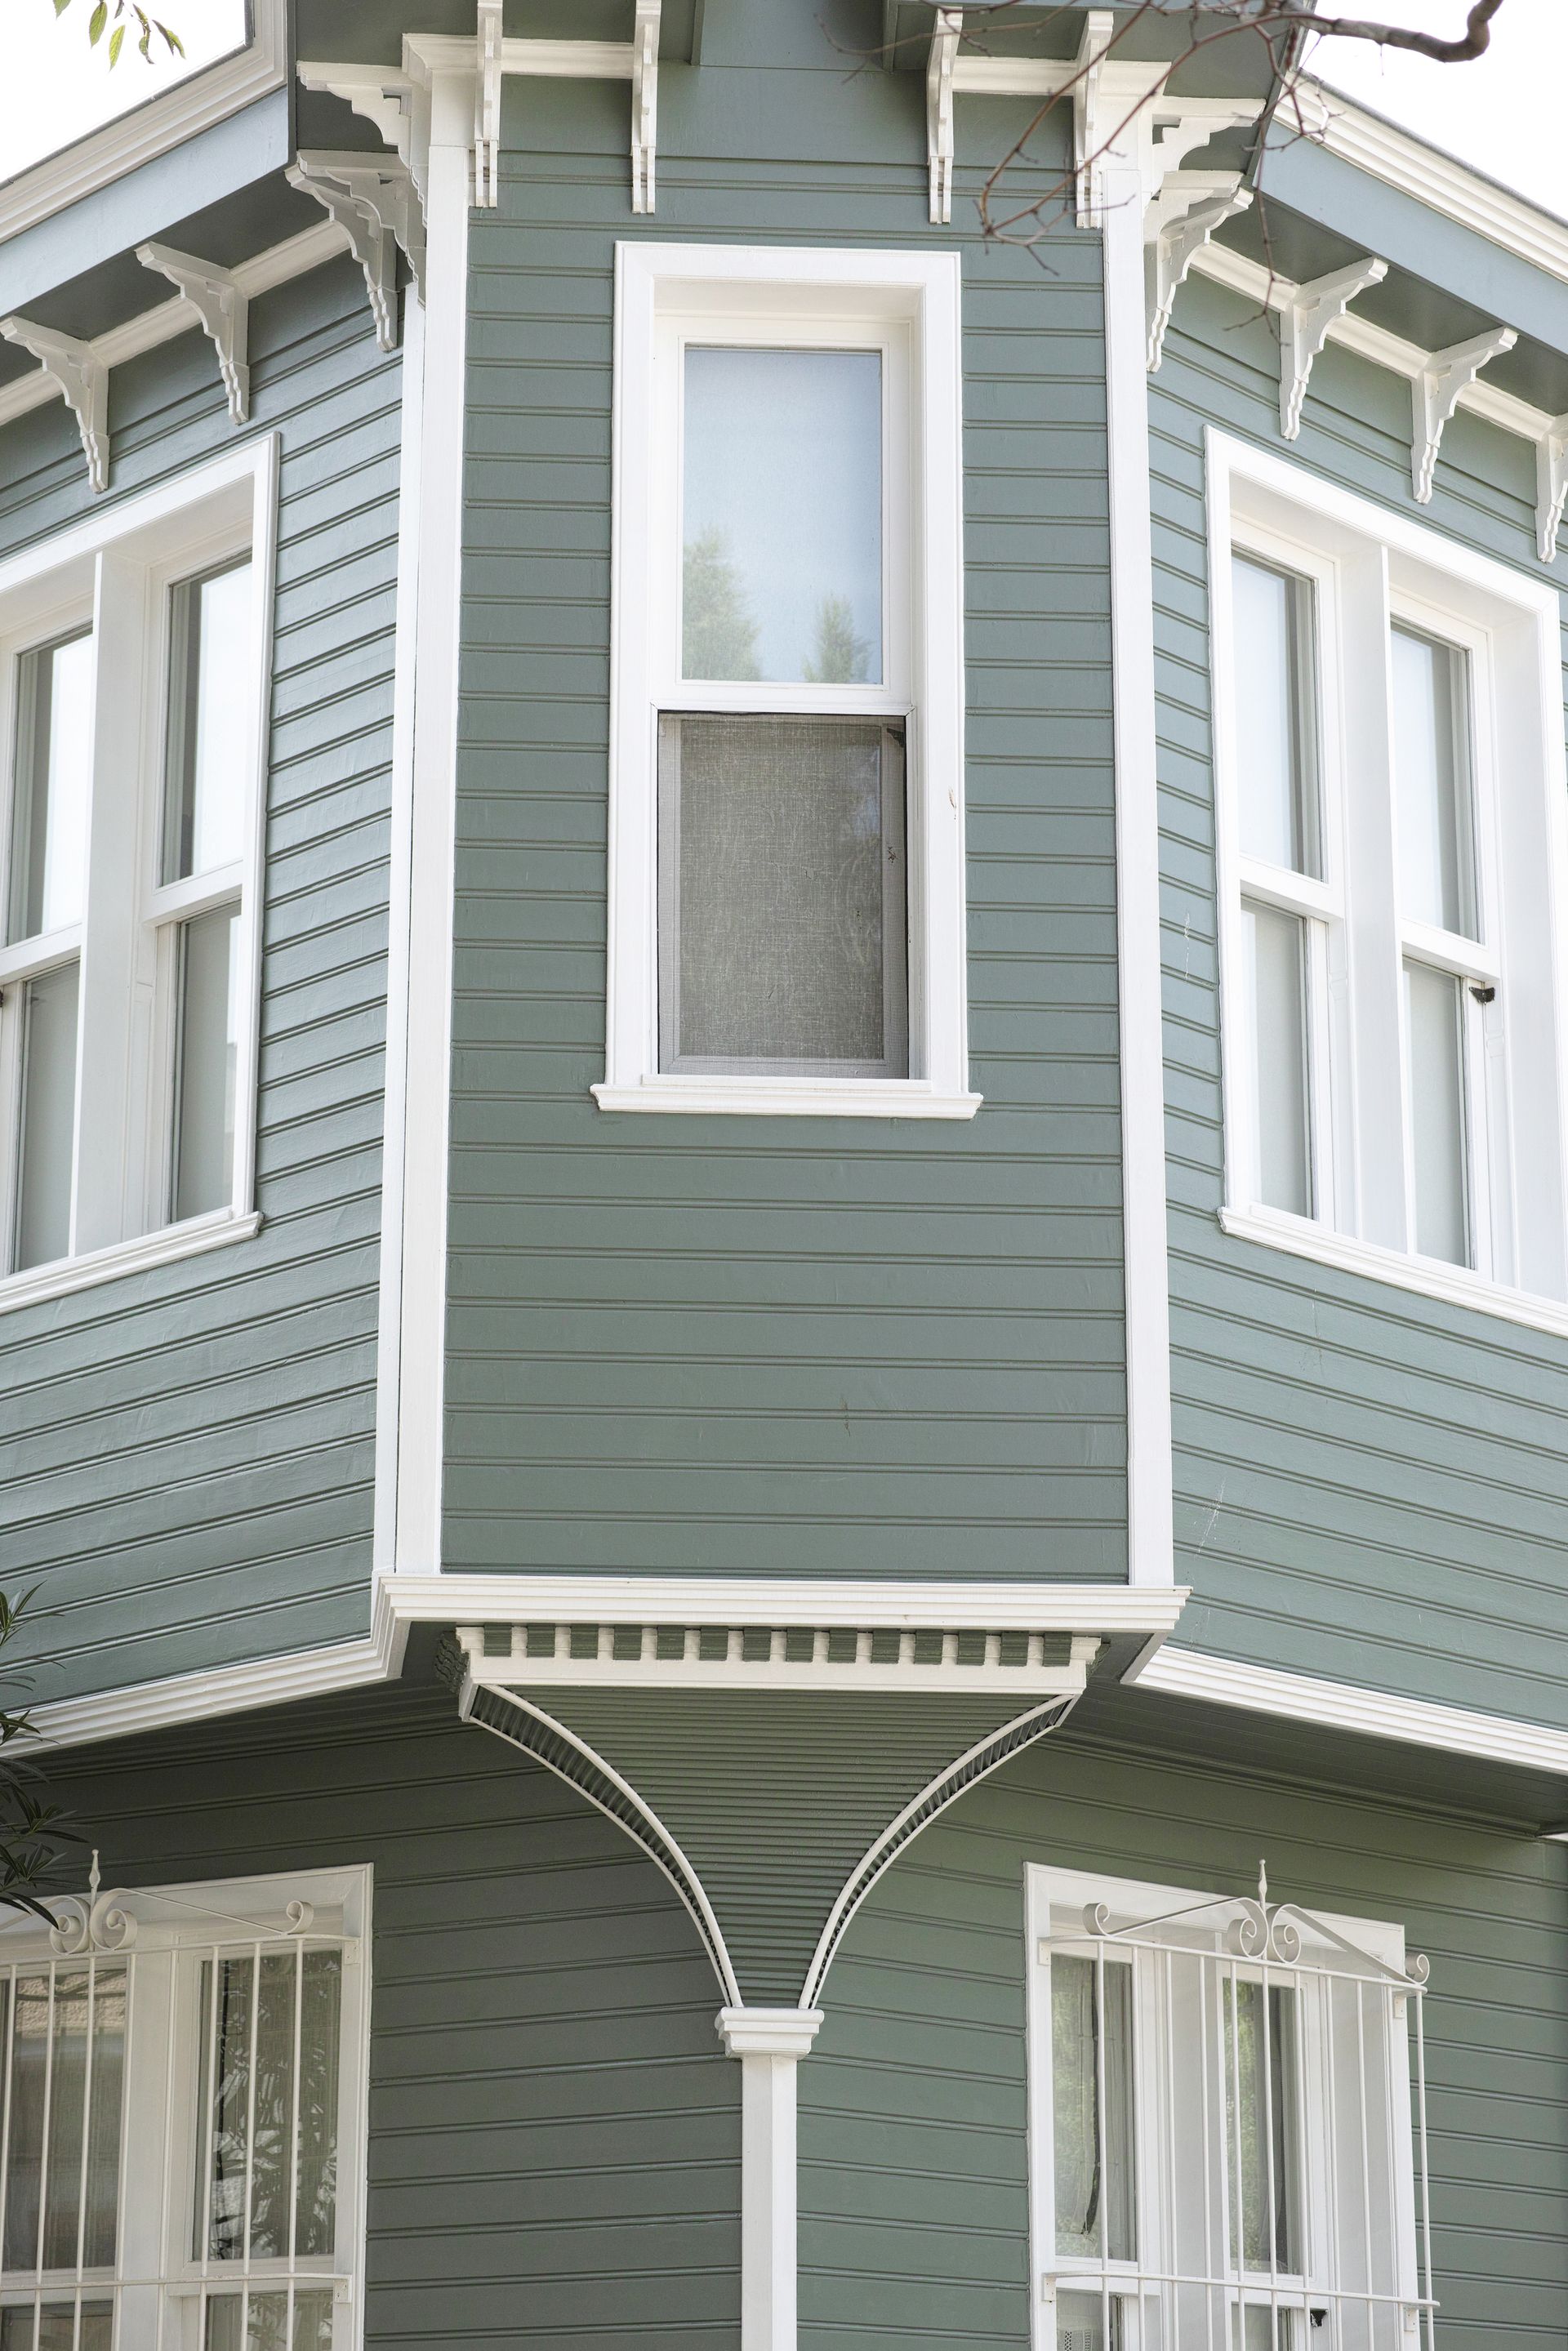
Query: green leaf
{"points": [[60, 7], [116, 41], [96, 24], [175, 44]]}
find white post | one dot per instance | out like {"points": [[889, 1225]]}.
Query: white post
{"points": [[769, 2044]]}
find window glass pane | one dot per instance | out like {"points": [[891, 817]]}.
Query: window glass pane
{"points": [[210, 689], [267, 2329], [782, 515], [48, 1115], [55, 2330], [1276, 954], [1081, 2324], [48, 808], [1432, 769], [68, 2056], [1263, 2129], [208, 1048], [782, 894], [1094, 2162], [1434, 1014], [273, 2121], [1276, 740]]}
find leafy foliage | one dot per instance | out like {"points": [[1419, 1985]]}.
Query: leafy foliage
{"points": [[719, 632], [32, 1829], [123, 14], [839, 658]]}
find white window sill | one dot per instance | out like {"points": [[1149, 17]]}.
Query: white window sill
{"points": [[1427, 1277], [192, 1238], [789, 1097]]}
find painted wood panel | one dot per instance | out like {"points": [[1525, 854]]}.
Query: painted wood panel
{"points": [[783, 1346], [1369, 1486], [185, 1454]]}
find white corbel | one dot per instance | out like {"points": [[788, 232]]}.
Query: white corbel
{"points": [[945, 34], [1552, 485], [82, 381], [1090, 131], [378, 94], [1309, 314], [1177, 226], [487, 105], [1435, 395], [644, 102], [373, 200], [216, 297], [1182, 125]]}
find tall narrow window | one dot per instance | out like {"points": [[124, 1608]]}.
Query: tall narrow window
{"points": [[48, 808], [1277, 943], [1276, 730], [1091, 2108], [47, 1124], [1262, 2127], [206, 1046], [210, 697], [1435, 1043], [1432, 765]]}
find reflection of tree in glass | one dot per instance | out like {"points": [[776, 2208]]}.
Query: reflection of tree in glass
{"points": [[289, 2129], [718, 633], [840, 657]]}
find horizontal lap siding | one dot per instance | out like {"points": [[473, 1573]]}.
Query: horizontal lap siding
{"points": [[914, 2117], [555, 2133], [1369, 1487], [185, 1455], [778, 1345]]}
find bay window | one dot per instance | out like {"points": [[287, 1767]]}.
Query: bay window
{"points": [[1389, 789], [786, 843], [132, 691], [1226, 2098], [182, 2119]]}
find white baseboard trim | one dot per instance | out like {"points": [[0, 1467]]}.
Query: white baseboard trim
{"points": [[1345, 1705]]}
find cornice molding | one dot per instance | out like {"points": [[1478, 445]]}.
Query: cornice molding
{"points": [[1438, 180], [1347, 1706]]}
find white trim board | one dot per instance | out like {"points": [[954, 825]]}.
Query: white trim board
{"points": [[1347, 1705]]}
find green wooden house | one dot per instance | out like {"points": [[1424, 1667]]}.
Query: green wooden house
{"points": [[833, 1611]]}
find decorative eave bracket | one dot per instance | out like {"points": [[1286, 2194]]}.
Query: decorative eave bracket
{"points": [[644, 103], [1552, 485], [1310, 313], [223, 308], [1179, 224], [1435, 395], [940, 64], [374, 202], [82, 380], [380, 94], [487, 108]]}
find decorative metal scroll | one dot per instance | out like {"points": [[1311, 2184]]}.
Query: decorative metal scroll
{"points": [[1264, 1931]]}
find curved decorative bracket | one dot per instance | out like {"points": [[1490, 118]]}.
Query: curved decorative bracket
{"points": [[99, 1923], [1552, 485], [945, 34], [82, 380], [1087, 130], [1309, 314], [216, 297], [1435, 395], [1180, 223], [644, 102], [488, 107], [374, 202]]}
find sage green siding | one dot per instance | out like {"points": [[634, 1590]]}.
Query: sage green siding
{"points": [[554, 2138], [913, 2181], [778, 1345], [1370, 1486], [185, 1453]]}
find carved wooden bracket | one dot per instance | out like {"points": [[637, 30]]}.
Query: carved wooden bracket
{"points": [[1435, 395], [216, 297], [373, 200], [944, 55], [82, 380], [1552, 485], [1310, 313], [1177, 226]]}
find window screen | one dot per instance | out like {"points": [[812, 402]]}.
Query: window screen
{"points": [[782, 887]]}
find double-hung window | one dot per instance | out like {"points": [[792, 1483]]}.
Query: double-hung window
{"points": [[1227, 2142], [182, 2119], [786, 883], [1394, 886], [132, 669]]}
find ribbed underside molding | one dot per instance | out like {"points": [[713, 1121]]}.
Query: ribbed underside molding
{"points": [[772, 1811]]}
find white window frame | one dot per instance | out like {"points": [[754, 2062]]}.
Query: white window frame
{"points": [[906, 305], [1178, 1918], [209, 95], [118, 569], [160, 1936], [1371, 567]]}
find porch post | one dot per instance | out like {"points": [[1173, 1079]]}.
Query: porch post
{"points": [[769, 2044]]}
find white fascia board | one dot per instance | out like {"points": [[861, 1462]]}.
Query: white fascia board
{"points": [[150, 129], [1347, 1706], [293, 259], [146, 1707], [1438, 180]]}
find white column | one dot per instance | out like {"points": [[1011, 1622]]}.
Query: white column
{"points": [[1146, 1276], [769, 2044]]}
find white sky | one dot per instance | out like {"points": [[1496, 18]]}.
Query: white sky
{"points": [[1502, 112], [54, 86]]}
